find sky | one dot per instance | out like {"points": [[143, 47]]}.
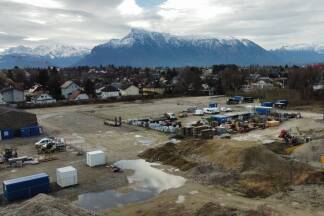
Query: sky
{"points": [[270, 23]]}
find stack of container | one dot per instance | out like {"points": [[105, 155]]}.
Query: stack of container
{"points": [[26, 187]]}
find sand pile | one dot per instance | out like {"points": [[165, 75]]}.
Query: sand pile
{"points": [[312, 195], [310, 152], [246, 167], [44, 205], [215, 209]]}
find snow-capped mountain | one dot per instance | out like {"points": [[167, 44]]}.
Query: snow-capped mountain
{"points": [[145, 48], [42, 56], [54, 51], [319, 48], [300, 53]]}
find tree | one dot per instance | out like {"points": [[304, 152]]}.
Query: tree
{"points": [[189, 80], [43, 77], [89, 87], [54, 85]]}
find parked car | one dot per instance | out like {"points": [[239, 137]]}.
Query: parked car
{"points": [[44, 141], [214, 110], [248, 100], [199, 112], [226, 109], [232, 101], [282, 104]]}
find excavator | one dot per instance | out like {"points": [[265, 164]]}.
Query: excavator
{"points": [[293, 139]]}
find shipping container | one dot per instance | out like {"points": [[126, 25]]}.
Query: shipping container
{"points": [[35, 131], [66, 176], [7, 134], [220, 118], [26, 187], [262, 110], [25, 132], [96, 158], [267, 104]]}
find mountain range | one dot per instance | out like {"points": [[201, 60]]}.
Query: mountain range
{"points": [[145, 48], [42, 56]]}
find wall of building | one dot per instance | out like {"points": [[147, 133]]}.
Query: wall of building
{"points": [[67, 91]]}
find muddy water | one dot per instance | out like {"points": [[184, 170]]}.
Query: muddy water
{"points": [[145, 183]]}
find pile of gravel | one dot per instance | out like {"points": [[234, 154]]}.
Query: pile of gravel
{"points": [[44, 205]]}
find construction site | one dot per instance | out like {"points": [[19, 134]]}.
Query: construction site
{"points": [[178, 156]]}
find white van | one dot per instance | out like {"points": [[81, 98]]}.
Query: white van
{"points": [[214, 110], [199, 112]]}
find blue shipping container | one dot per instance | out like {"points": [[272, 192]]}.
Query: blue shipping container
{"points": [[220, 118], [263, 110], [26, 187], [25, 132], [35, 131], [238, 98], [7, 134], [267, 104], [212, 105]]}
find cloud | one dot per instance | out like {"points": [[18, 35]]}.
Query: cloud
{"points": [[35, 39], [40, 3], [130, 8], [83, 22]]}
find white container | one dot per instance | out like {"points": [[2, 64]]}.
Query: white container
{"points": [[66, 176], [96, 158]]}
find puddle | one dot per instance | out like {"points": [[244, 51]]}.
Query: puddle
{"points": [[144, 141], [145, 183]]}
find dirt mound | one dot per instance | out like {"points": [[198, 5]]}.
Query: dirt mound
{"points": [[310, 152], [44, 205], [246, 167], [215, 209], [304, 194]]}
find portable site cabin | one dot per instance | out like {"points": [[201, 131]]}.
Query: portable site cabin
{"points": [[96, 158], [66, 176], [26, 187]]}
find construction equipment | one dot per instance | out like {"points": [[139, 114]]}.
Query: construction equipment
{"points": [[51, 146], [8, 154], [293, 138]]}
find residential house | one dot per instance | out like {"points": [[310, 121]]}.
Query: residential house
{"points": [[13, 95], [36, 89], [262, 84], [153, 90], [78, 96], [68, 88], [108, 92], [43, 98], [129, 90]]}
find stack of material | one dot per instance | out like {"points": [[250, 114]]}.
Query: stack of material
{"points": [[197, 130], [310, 152], [42, 205], [207, 134], [16, 119], [272, 123]]}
